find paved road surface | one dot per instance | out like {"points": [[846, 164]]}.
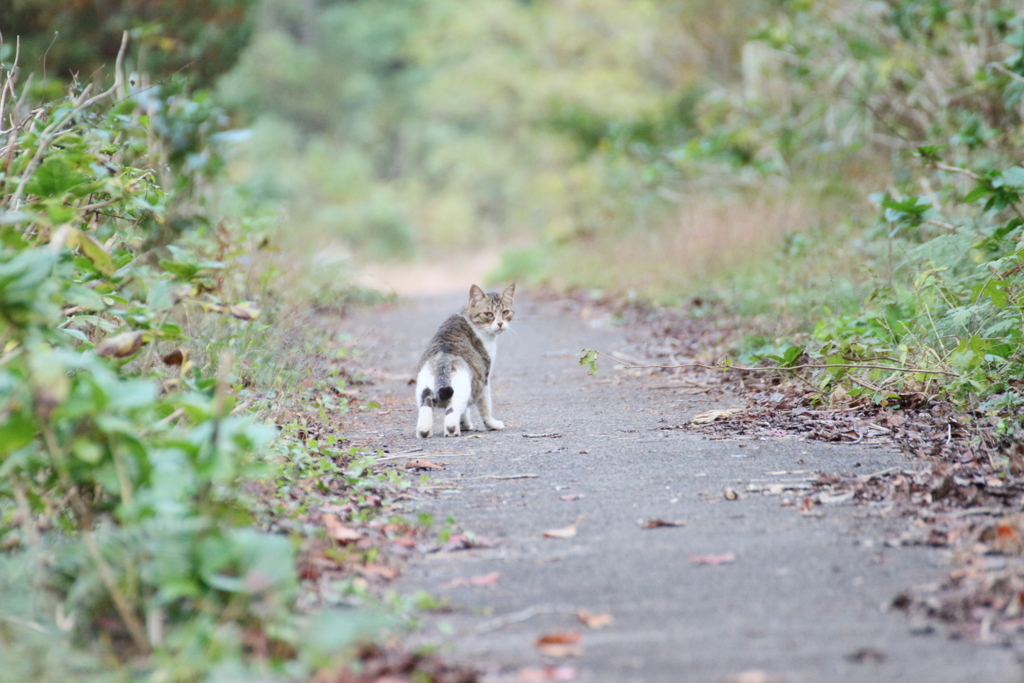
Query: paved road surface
{"points": [[802, 599]]}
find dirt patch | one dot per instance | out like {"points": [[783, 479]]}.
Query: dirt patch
{"points": [[454, 274]]}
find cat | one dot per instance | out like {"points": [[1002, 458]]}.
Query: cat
{"points": [[455, 371]]}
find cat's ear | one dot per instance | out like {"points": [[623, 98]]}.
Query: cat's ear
{"points": [[509, 292], [476, 295]]}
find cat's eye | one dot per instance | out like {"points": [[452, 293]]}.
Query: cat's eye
{"points": [[506, 314], [487, 315]]}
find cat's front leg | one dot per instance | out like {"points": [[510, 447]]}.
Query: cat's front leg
{"points": [[484, 405]]}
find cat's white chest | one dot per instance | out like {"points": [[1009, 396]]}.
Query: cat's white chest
{"points": [[490, 342]]}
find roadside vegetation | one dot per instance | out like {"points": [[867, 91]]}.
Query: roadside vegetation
{"points": [[171, 406]]}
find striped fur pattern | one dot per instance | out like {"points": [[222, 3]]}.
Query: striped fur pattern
{"points": [[455, 371]]}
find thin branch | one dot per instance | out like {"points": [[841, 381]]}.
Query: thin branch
{"points": [[941, 224], [955, 169], [813, 366], [1002, 69], [121, 603]]}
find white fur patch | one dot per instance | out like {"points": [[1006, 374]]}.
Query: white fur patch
{"points": [[425, 422], [462, 384]]}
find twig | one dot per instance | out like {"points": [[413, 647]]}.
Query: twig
{"points": [[178, 412], [24, 510], [866, 385], [124, 608], [911, 371], [955, 169], [999, 67], [521, 616], [509, 476], [941, 224], [868, 477]]}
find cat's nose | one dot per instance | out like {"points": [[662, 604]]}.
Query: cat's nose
{"points": [[501, 323]]}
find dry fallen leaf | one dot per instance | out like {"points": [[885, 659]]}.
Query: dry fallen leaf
{"points": [[594, 620], [1007, 540], [564, 532], [548, 673], [712, 415], [482, 580], [371, 570], [175, 357], [571, 496], [730, 493], [714, 560], [120, 345], [559, 638], [244, 310], [655, 523], [420, 464], [338, 531], [560, 644]]}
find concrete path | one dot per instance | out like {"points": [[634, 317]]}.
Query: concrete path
{"points": [[804, 601]]}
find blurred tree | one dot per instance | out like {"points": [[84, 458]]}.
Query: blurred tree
{"points": [[76, 38]]}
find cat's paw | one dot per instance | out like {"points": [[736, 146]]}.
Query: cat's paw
{"points": [[423, 433], [495, 424], [452, 430]]}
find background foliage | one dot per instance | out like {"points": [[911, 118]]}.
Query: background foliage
{"points": [[133, 311], [198, 39]]}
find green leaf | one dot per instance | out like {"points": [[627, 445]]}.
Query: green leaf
{"points": [[97, 254], [791, 355], [15, 217], [53, 178], [993, 289], [331, 630], [88, 451], [589, 359], [182, 271], [87, 299], [77, 334], [977, 193], [158, 295], [837, 360], [17, 430], [1014, 176]]}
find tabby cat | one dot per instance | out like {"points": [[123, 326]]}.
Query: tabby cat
{"points": [[455, 371]]}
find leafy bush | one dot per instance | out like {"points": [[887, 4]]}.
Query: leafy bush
{"points": [[938, 85], [123, 456]]}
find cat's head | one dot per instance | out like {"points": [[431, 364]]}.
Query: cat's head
{"points": [[491, 313]]}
